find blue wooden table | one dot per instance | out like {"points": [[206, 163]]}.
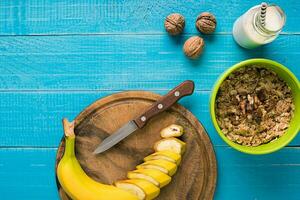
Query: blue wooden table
{"points": [[57, 57]]}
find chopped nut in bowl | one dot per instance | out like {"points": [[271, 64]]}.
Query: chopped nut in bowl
{"points": [[255, 106]]}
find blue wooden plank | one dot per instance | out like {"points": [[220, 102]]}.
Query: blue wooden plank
{"points": [[114, 62], [43, 79], [29, 174], [115, 16], [272, 176], [34, 119]]}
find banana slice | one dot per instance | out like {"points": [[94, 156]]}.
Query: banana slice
{"points": [[149, 166], [164, 166], [165, 155], [154, 176], [171, 144], [173, 130], [139, 187]]}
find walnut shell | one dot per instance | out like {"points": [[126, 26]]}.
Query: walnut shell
{"points": [[193, 47], [174, 24], [206, 23]]}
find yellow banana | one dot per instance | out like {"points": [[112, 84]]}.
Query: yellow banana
{"points": [[173, 130], [145, 190], [170, 144], [144, 183], [164, 166], [154, 176], [165, 155], [76, 183]]}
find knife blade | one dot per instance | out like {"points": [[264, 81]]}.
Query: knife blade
{"points": [[184, 89], [119, 135]]}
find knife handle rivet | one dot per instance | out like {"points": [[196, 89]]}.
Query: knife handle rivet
{"points": [[143, 118], [177, 93], [160, 106]]}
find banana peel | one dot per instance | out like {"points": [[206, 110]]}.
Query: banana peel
{"points": [[164, 166], [143, 189], [165, 155], [154, 176]]}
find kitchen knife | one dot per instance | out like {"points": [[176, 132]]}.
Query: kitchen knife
{"points": [[184, 89]]}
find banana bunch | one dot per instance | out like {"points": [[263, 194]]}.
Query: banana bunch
{"points": [[144, 183]]}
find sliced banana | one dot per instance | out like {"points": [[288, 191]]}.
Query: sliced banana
{"points": [[170, 144], [164, 166], [165, 155], [133, 189], [144, 190], [149, 166], [173, 130], [154, 176]]}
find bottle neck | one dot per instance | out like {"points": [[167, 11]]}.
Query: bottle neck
{"points": [[274, 21], [260, 28]]}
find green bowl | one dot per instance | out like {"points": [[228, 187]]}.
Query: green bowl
{"points": [[294, 127]]}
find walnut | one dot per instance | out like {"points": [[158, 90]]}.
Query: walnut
{"points": [[243, 106], [206, 23], [174, 24], [193, 46]]}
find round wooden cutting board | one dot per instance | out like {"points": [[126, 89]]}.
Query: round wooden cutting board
{"points": [[197, 173]]}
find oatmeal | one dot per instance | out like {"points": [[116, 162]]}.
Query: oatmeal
{"points": [[254, 106]]}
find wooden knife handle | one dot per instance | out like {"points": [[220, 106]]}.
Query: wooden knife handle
{"points": [[184, 89]]}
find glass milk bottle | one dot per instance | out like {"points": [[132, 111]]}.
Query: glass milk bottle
{"points": [[260, 25]]}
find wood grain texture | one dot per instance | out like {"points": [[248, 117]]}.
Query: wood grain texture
{"points": [[126, 62], [122, 16], [29, 174], [196, 175]]}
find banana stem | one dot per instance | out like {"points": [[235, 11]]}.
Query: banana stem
{"points": [[69, 147], [68, 128], [69, 138]]}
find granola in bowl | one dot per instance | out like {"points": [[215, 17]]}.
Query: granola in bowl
{"points": [[254, 106]]}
